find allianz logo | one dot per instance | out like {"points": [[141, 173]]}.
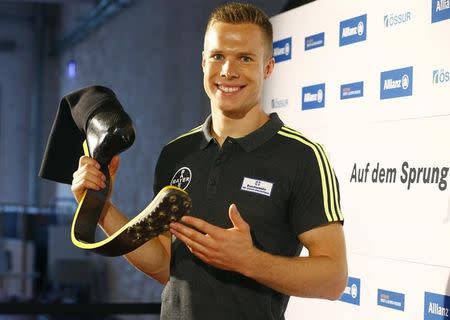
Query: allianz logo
{"points": [[313, 97], [352, 290], [279, 51], [396, 19], [351, 31], [435, 308], [441, 76], [442, 5], [390, 84]]}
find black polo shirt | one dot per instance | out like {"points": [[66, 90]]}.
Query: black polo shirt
{"points": [[282, 184]]}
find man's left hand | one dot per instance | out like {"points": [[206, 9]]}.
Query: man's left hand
{"points": [[228, 249]]}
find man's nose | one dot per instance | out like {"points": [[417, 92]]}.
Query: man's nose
{"points": [[229, 70]]}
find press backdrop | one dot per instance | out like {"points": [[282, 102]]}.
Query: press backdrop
{"points": [[370, 80]]}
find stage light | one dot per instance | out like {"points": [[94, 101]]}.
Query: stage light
{"points": [[71, 69]]}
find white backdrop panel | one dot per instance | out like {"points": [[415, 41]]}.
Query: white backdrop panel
{"points": [[397, 227]]}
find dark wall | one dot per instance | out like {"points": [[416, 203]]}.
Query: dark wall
{"points": [[149, 54], [15, 98]]}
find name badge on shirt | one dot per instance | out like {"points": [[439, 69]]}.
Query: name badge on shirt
{"points": [[257, 186]]}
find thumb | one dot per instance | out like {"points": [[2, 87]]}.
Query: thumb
{"points": [[236, 218]]}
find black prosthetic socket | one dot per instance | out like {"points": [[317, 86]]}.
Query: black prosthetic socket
{"points": [[109, 131], [94, 115]]}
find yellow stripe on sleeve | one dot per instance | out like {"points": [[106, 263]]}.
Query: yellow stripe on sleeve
{"points": [[329, 182]]}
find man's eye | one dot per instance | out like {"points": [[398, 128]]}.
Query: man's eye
{"points": [[246, 59], [217, 56]]}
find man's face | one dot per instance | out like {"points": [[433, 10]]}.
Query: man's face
{"points": [[235, 63]]}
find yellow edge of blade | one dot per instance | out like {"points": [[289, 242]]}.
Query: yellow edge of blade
{"points": [[84, 245]]}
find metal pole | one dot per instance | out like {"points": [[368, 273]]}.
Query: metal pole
{"points": [[34, 133]]}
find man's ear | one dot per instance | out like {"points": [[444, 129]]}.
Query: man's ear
{"points": [[268, 68], [203, 60]]}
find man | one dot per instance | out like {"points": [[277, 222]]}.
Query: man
{"points": [[260, 190]]}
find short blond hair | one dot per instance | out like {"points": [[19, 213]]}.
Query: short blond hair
{"points": [[239, 13]]}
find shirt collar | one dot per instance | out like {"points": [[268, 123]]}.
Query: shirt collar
{"points": [[206, 129], [251, 141]]}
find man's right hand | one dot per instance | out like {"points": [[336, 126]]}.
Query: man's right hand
{"points": [[89, 176], [152, 258]]}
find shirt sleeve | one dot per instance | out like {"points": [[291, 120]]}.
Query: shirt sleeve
{"points": [[315, 198], [160, 180]]}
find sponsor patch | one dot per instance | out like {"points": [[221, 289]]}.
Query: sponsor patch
{"points": [[181, 178], [352, 90], [390, 299], [313, 97], [352, 291], [436, 306], [282, 50], [440, 10], [394, 19], [257, 186], [396, 83], [353, 30], [441, 76], [279, 103], [315, 41]]}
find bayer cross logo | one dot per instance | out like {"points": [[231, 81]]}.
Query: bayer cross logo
{"points": [[182, 178], [405, 81]]}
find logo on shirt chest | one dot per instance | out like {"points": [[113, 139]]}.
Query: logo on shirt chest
{"points": [[257, 186], [182, 178]]}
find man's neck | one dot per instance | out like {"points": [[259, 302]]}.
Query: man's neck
{"points": [[224, 126]]}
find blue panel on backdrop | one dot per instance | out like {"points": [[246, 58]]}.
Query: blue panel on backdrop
{"points": [[315, 41], [282, 49], [440, 10], [436, 307], [396, 83], [390, 299], [352, 291], [353, 30], [352, 90], [313, 97]]}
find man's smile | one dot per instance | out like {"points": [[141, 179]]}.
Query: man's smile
{"points": [[229, 89]]}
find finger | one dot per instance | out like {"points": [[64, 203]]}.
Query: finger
{"points": [[87, 178], [88, 168], [85, 160], [87, 171], [236, 218], [80, 186], [192, 234], [203, 226], [81, 182], [201, 257], [191, 243]]}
